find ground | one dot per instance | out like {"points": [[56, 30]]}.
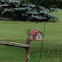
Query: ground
{"points": [[16, 32]]}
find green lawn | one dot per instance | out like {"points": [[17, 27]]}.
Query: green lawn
{"points": [[13, 31]]}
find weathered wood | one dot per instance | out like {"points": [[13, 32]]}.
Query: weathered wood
{"points": [[26, 46], [27, 59], [28, 51], [35, 40], [14, 44]]}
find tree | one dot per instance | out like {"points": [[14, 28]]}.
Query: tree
{"points": [[48, 3]]}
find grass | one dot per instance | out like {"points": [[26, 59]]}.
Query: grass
{"points": [[16, 32]]}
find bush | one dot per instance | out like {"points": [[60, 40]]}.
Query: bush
{"points": [[19, 10]]}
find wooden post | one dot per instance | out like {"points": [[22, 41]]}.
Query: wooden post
{"points": [[28, 51], [28, 48]]}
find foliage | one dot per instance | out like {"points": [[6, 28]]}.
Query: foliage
{"points": [[21, 10], [48, 3]]}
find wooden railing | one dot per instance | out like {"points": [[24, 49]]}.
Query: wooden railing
{"points": [[26, 46]]}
